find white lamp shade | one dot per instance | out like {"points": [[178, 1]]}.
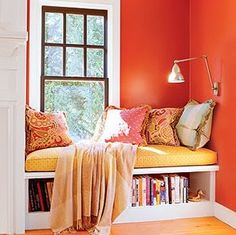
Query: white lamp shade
{"points": [[175, 75]]}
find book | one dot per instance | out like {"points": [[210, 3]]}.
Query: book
{"points": [[133, 192], [140, 189], [148, 191], [166, 180], [182, 189], [162, 192], [32, 206], [137, 190], [144, 191], [177, 189], [40, 195], [49, 189], [172, 189], [158, 191], [35, 195], [151, 192], [154, 192], [45, 192]]}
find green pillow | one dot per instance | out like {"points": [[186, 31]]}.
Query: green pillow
{"points": [[194, 126]]}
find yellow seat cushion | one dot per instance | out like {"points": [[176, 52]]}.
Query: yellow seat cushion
{"points": [[166, 156], [147, 156]]}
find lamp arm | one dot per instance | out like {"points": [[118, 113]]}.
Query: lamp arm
{"points": [[187, 59], [208, 70], [204, 57]]}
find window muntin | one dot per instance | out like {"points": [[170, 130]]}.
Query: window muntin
{"points": [[74, 66]]}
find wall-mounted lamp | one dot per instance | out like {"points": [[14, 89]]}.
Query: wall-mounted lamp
{"points": [[177, 77]]}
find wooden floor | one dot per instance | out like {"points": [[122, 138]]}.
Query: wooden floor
{"points": [[197, 226]]}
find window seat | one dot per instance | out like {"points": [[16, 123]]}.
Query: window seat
{"points": [[149, 156]]}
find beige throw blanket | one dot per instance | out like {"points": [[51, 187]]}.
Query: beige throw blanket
{"points": [[92, 186]]}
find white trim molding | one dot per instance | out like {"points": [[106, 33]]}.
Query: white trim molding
{"points": [[225, 214], [113, 8]]}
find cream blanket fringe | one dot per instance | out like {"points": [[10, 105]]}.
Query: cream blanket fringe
{"points": [[92, 186]]}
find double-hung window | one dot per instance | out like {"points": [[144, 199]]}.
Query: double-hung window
{"points": [[74, 75]]}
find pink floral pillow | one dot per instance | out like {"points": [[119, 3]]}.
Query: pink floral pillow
{"points": [[161, 126], [126, 125]]}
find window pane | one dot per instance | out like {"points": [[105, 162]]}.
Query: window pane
{"points": [[95, 30], [53, 27], [74, 29], [53, 61], [83, 103], [95, 62], [74, 61]]}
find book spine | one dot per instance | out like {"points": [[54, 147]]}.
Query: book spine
{"points": [[162, 192], [182, 189], [46, 196], [148, 191], [133, 193], [154, 192], [186, 186], [158, 188], [140, 193], [31, 197], [41, 201], [177, 189], [151, 192], [144, 191], [137, 191], [36, 196], [166, 180], [172, 189], [49, 188]]}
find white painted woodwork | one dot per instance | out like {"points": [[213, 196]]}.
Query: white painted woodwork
{"points": [[12, 101], [113, 8], [201, 177], [225, 214]]}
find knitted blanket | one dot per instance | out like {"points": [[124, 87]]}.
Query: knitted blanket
{"points": [[92, 186]]}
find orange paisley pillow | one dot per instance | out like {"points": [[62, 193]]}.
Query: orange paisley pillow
{"points": [[161, 126], [45, 130]]}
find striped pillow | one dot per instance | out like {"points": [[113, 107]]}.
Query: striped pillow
{"points": [[194, 126]]}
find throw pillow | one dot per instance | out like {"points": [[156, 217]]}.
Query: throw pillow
{"points": [[161, 126], [124, 125], [194, 126], [45, 130]]}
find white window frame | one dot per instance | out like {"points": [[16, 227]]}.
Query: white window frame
{"points": [[113, 59]]}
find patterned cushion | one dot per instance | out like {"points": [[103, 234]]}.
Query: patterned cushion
{"points": [[44, 130], [161, 126], [124, 125], [194, 126]]}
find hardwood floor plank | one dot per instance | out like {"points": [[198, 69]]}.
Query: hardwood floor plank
{"points": [[196, 226]]}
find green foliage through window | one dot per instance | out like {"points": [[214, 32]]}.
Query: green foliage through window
{"points": [[74, 50]]}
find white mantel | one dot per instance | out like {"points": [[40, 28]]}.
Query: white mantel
{"points": [[13, 37]]}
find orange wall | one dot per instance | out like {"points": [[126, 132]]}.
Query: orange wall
{"points": [[213, 31], [153, 34]]}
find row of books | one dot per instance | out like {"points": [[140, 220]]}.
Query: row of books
{"points": [[162, 189], [40, 194]]}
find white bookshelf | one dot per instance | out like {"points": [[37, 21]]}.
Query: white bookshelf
{"points": [[201, 177]]}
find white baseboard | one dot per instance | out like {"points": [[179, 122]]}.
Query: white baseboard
{"points": [[225, 214]]}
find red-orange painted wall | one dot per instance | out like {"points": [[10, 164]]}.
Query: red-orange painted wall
{"points": [[213, 32], [153, 34]]}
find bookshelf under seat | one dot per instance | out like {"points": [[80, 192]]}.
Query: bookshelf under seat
{"points": [[200, 177]]}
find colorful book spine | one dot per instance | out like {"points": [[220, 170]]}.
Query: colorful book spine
{"points": [[133, 193], [172, 189], [177, 189], [158, 192], [166, 181], [162, 192], [144, 203], [148, 191]]}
